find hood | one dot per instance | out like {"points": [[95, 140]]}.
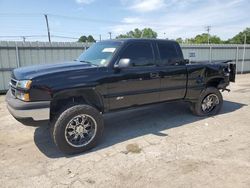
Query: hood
{"points": [[30, 72]]}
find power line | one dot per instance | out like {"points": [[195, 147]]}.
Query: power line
{"points": [[19, 14], [105, 21], [37, 36], [65, 37], [83, 19], [26, 36]]}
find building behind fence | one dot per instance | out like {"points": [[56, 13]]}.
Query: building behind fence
{"points": [[20, 54]]}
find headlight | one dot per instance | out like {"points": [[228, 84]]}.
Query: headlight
{"points": [[24, 84], [22, 96]]}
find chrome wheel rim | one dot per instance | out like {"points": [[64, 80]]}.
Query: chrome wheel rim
{"points": [[209, 103], [80, 130]]}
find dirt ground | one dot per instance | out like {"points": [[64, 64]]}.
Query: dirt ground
{"points": [[158, 146]]}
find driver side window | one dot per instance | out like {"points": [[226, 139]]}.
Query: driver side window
{"points": [[140, 54]]}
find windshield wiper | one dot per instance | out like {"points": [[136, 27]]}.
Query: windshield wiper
{"points": [[88, 62]]}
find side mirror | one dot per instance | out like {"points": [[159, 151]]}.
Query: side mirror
{"points": [[182, 62], [123, 63], [186, 61]]}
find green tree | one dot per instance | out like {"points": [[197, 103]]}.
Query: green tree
{"points": [[179, 40], [148, 33], [137, 33], [83, 38], [90, 38], [240, 37], [203, 39]]}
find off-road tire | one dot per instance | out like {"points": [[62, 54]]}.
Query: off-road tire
{"points": [[60, 122], [196, 107]]}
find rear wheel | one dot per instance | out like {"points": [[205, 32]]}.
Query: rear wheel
{"points": [[209, 103], [77, 129]]}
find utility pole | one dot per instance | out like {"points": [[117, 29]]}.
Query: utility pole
{"points": [[142, 33], [110, 35], [47, 23], [244, 52], [208, 28], [100, 37], [24, 38]]}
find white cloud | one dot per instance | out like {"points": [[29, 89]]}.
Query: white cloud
{"points": [[144, 5], [187, 18], [130, 23], [84, 1], [132, 20]]}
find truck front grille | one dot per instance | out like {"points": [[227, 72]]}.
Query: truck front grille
{"points": [[13, 91], [13, 84]]}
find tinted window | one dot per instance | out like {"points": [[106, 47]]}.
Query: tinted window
{"points": [[168, 53], [140, 54]]}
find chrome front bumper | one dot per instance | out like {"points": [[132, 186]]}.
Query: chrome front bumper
{"points": [[19, 109]]}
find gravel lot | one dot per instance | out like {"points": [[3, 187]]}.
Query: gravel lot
{"points": [[159, 146]]}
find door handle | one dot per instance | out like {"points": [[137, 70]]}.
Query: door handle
{"points": [[154, 75]]}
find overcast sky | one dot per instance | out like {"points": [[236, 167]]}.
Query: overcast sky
{"points": [[73, 18]]}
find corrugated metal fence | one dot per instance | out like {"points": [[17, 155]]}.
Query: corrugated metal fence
{"points": [[213, 52], [19, 54]]}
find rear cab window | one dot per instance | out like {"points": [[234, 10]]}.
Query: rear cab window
{"points": [[168, 52]]}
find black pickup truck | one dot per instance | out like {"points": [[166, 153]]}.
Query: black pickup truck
{"points": [[112, 75]]}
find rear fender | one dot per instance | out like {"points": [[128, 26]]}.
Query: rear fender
{"points": [[231, 69]]}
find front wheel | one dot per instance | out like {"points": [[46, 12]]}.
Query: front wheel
{"points": [[209, 102], [77, 129]]}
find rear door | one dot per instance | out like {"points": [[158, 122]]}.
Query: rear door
{"points": [[173, 73], [138, 84]]}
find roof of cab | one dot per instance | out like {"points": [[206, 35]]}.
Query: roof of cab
{"points": [[125, 40]]}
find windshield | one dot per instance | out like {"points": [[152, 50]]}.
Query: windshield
{"points": [[99, 54]]}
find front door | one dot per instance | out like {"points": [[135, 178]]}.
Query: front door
{"points": [[138, 84]]}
